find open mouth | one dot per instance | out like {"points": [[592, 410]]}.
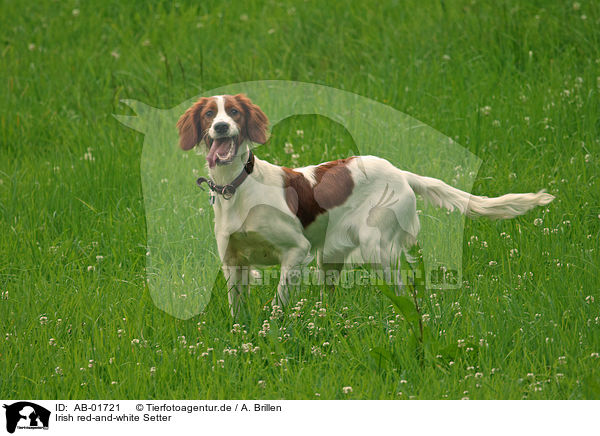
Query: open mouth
{"points": [[222, 151]]}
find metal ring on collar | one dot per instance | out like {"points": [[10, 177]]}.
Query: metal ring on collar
{"points": [[228, 191]]}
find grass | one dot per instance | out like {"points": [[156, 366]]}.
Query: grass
{"points": [[516, 83]]}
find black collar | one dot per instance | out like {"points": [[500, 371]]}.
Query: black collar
{"points": [[228, 190]]}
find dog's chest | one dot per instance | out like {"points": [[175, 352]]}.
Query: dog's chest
{"points": [[248, 235]]}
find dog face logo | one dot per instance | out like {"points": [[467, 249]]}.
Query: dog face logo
{"points": [[26, 415]]}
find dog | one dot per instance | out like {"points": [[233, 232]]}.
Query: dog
{"points": [[358, 209]]}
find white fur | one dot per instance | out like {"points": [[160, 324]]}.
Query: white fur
{"points": [[507, 206], [223, 116]]}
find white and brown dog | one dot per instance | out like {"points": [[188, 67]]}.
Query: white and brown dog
{"points": [[355, 208]]}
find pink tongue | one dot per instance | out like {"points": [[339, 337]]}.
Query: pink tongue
{"points": [[220, 146]]}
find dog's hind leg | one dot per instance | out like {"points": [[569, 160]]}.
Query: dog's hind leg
{"points": [[330, 274]]}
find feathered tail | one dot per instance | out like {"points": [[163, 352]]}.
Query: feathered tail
{"points": [[441, 194]]}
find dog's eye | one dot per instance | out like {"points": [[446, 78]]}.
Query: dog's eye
{"points": [[234, 112], [209, 114]]}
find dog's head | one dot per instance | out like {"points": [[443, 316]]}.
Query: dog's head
{"points": [[223, 123]]}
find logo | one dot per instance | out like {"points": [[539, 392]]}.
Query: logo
{"points": [[26, 415]]}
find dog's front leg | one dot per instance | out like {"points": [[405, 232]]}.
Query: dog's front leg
{"points": [[233, 277], [232, 270]]}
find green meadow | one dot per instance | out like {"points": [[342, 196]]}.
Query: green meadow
{"points": [[516, 83]]}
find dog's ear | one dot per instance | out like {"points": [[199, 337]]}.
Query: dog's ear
{"points": [[190, 125], [256, 120]]}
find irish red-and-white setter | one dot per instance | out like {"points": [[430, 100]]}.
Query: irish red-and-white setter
{"points": [[358, 209]]}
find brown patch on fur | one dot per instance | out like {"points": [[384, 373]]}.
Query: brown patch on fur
{"points": [[299, 197], [334, 185]]}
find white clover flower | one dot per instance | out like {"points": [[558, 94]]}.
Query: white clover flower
{"points": [[486, 110], [88, 155], [316, 351]]}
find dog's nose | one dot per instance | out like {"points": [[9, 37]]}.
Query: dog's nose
{"points": [[221, 127]]}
